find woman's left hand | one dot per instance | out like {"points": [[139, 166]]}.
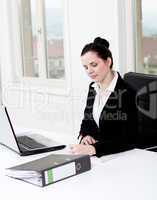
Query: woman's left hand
{"points": [[83, 149]]}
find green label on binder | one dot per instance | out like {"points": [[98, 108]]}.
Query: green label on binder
{"points": [[48, 176]]}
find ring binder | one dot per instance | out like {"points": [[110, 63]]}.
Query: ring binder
{"points": [[50, 169]]}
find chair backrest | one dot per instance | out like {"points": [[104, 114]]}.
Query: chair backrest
{"points": [[146, 100]]}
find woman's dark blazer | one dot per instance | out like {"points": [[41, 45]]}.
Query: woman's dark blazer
{"points": [[117, 123]]}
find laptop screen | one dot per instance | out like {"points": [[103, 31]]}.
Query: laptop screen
{"points": [[7, 136]]}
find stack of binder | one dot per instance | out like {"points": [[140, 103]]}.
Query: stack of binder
{"points": [[50, 169]]}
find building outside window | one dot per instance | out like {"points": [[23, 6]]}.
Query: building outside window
{"points": [[42, 38], [146, 36]]}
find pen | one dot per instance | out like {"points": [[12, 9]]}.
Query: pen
{"points": [[80, 137]]}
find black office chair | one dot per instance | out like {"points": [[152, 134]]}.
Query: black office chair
{"points": [[146, 100]]}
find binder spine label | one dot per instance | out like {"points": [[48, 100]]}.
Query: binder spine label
{"points": [[58, 173]]}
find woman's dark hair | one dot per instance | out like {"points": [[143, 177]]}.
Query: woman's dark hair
{"points": [[101, 47]]}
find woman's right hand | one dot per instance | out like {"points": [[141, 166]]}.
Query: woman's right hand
{"points": [[87, 140]]}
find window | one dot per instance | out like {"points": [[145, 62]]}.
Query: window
{"points": [[42, 39], [146, 36]]}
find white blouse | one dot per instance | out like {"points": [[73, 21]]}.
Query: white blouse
{"points": [[102, 97]]}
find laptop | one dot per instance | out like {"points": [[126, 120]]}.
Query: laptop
{"points": [[25, 143]]}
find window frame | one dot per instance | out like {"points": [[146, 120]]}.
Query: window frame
{"points": [[126, 37], [138, 35], [40, 84]]}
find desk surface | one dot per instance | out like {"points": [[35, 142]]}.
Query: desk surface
{"points": [[129, 176]]}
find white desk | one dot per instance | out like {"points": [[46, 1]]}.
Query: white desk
{"points": [[130, 176]]}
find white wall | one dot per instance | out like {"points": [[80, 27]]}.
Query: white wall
{"points": [[87, 20]]}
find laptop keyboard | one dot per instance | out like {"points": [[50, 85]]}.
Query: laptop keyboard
{"points": [[29, 142], [153, 149]]}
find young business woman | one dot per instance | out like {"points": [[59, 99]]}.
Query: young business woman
{"points": [[109, 123]]}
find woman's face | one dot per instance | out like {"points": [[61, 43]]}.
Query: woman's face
{"points": [[96, 68]]}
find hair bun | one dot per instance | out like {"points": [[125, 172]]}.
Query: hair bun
{"points": [[101, 41]]}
